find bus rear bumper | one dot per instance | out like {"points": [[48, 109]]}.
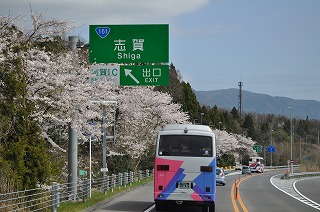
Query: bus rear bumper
{"points": [[184, 202]]}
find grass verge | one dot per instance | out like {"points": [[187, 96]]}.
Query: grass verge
{"points": [[98, 196]]}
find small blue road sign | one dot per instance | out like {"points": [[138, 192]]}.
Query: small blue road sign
{"points": [[271, 149]]}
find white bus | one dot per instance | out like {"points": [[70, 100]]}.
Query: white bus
{"points": [[185, 167], [256, 164]]}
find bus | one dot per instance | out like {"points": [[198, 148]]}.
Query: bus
{"points": [[185, 167], [256, 164]]}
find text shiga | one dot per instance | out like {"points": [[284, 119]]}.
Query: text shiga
{"points": [[131, 56]]}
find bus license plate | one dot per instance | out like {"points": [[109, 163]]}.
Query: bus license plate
{"points": [[185, 185]]}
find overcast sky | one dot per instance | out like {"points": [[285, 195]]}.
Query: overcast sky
{"points": [[272, 46]]}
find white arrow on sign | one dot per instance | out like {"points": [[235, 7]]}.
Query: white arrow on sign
{"points": [[128, 72]]}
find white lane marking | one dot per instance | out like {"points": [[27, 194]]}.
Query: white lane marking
{"points": [[287, 186], [150, 208]]}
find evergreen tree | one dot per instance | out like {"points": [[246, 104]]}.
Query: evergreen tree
{"points": [[215, 117], [23, 149], [189, 102], [175, 87], [248, 124], [234, 112]]}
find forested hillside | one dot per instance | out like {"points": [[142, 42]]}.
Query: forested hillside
{"points": [[260, 103]]}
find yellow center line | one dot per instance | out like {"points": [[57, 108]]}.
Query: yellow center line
{"points": [[233, 199], [235, 207], [239, 197]]}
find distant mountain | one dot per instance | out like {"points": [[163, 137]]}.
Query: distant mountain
{"points": [[260, 103]]}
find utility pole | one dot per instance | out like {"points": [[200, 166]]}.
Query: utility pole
{"points": [[240, 106], [104, 169], [271, 145], [73, 142], [291, 159], [318, 137]]}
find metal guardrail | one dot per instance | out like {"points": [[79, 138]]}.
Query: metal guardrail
{"points": [[288, 175], [49, 198], [304, 174]]}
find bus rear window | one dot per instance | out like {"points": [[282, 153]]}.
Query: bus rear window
{"points": [[185, 145]]}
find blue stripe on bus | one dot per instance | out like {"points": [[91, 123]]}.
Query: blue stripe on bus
{"points": [[200, 186], [179, 176]]}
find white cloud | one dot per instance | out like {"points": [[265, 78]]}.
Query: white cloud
{"points": [[106, 11]]}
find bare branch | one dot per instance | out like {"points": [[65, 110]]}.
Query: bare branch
{"points": [[45, 28]]}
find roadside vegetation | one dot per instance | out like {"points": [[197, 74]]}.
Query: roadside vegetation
{"points": [[99, 196]]}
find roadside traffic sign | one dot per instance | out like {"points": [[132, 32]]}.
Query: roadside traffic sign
{"points": [[291, 161], [144, 75], [271, 149], [257, 148], [104, 169], [148, 75], [82, 172], [110, 72], [147, 43]]}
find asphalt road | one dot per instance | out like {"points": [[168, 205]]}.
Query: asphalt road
{"points": [[310, 187], [256, 192]]}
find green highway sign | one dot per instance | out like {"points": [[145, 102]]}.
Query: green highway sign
{"points": [[147, 43], [82, 172], [144, 75], [257, 148], [125, 75]]}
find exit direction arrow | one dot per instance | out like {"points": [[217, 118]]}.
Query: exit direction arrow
{"points": [[128, 73]]}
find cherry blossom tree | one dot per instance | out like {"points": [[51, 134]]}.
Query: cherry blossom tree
{"points": [[59, 86], [229, 143], [143, 112]]}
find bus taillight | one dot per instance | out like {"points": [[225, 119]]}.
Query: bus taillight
{"points": [[206, 168], [163, 167]]}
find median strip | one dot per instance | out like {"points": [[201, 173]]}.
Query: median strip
{"points": [[235, 195]]}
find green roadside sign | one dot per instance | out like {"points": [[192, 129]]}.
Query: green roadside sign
{"points": [[257, 148], [147, 43], [126, 75], [153, 75], [82, 172]]}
